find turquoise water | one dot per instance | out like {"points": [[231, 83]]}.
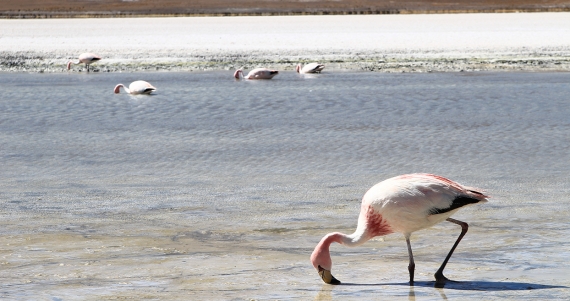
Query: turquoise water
{"points": [[263, 169]]}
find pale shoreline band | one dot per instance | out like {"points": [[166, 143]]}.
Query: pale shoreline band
{"points": [[389, 43]]}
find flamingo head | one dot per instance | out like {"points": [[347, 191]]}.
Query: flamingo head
{"points": [[238, 73], [298, 68], [69, 65], [118, 88], [321, 259]]}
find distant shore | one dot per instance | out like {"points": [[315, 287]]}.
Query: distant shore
{"points": [[381, 43], [127, 14], [191, 8]]}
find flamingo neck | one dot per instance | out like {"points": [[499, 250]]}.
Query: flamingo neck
{"points": [[370, 224], [72, 62], [321, 256], [118, 89], [355, 239]]}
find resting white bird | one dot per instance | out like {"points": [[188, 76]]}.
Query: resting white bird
{"points": [[85, 58], [258, 73], [310, 68], [136, 87]]}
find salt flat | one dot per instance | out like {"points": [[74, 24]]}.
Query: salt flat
{"points": [[216, 189], [369, 42]]}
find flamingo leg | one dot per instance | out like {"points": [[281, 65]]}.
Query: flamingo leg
{"points": [[439, 278], [412, 265]]}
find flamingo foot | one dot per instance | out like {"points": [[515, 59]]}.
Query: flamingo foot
{"points": [[327, 277], [441, 280], [411, 269]]}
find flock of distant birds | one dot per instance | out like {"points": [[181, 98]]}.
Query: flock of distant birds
{"points": [[143, 87], [402, 204]]}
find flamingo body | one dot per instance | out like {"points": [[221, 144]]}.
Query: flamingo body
{"points": [[402, 204], [136, 87], [85, 58], [310, 68], [407, 203], [258, 73]]}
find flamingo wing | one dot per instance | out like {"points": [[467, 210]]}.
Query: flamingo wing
{"points": [[313, 68], [89, 58], [456, 203], [417, 201], [141, 87], [261, 73]]}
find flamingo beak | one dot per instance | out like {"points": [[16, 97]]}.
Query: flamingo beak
{"points": [[327, 277]]}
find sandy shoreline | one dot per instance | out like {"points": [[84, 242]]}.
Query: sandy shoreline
{"points": [[384, 43]]}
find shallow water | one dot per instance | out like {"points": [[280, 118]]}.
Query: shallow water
{"points": [[219, 189]]}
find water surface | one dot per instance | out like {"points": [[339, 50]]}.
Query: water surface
{"points": [[219, 189]]}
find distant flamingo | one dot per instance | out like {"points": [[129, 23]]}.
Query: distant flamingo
{"points": [[402, 204], [310, 68], [136, 87], [259, 73], [85, 58]]}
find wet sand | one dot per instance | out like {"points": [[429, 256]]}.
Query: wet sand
{"points": [[165, 254], [384, 43]]}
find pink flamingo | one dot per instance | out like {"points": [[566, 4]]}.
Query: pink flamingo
{"points": [[310, 68], [136, 87], [402, 204], [85, 58], [259, 73]]}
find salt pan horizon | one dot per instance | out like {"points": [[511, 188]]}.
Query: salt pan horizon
{"points": [[447, 42]]}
